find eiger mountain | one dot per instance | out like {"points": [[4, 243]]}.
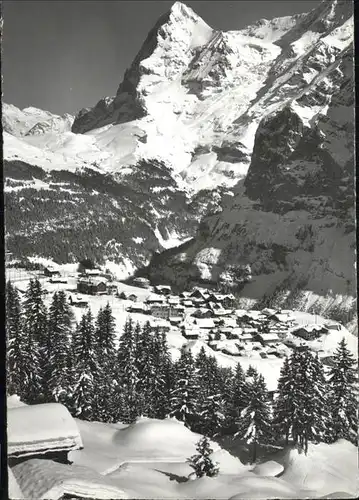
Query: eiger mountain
{"points": [[246, 136]]}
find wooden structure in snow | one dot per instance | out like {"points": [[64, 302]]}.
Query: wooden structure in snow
{"points": [[42, 431]]}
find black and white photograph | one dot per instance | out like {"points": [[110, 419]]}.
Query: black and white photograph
{"points": [[180, 253]]}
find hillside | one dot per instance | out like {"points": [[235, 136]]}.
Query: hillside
{"points": [[249, 132]]}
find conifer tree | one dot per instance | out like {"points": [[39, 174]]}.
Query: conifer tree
{"points": [[85, 369], [343, 401], [15, 340], [184, 395], [105, 334], [212, 416], [284, 404], [201, 463], [162, 364], [36, 347], [300, 409], [237, 398], [59, 336], [255, 419], [127, 376]]}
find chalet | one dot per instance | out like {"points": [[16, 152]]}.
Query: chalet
{"points": [[232, 350], [281, 317], [235, 333], [309, 332], [199, 293], [225, 331], [132, 297], [92, 272], [214, 345], [269, 312], [58, 279], [160, 310], [139, 307], [141, 282], [269, 338], [155, 299], [77, 301], [111, 289], [202, 312], [222, 312], [175, 320], [51, 271], [214, 305], [185, 295], [173, 301], [92, 286], [160, 326], [334, 327], [187, 303], [177, 310], [163, 289], [229, 322], [191, 334], [41, 431], [206, 323]]}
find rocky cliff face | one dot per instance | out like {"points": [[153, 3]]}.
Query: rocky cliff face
{"points": [[292, 219]]}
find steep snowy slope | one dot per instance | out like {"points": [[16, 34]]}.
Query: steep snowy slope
{"points": [[191, 102], [32, 120]]}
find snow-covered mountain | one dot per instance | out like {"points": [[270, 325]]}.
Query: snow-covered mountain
{"points": [[196, 110]]}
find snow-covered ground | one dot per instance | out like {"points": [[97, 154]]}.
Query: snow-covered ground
{"points": [[147, 459]]}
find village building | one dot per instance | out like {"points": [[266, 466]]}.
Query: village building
{"points": [[231, 349], [57, 279], [111, 289], [141, 282], [173, 301], [334, 327], [202, 312], [160, 326], [206, 323], [200, 293], [309, 332], [191, 334], [176, 310], [175, 320], [51, 271], [78, 301], [268, 311], [187, 303], [155, 299], [163, 289], [92, 286], [160, 310], [92, 272], [139, 307], [269, 338], [220, 313], [41, 431], [132, 297], [185, 295]]}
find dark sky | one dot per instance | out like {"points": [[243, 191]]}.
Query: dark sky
{"points": [[65, 55]]}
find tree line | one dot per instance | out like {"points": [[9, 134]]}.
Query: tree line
{"points": [[51, 358]]}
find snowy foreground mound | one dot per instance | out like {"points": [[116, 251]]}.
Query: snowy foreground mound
{"points": [[147, 459]]}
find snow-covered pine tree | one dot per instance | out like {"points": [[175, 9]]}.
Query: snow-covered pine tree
{"points": [[105, 334], [162, 376], [201, 463], [212, 416], [126, 396], [300, 409], [36, 344], [283, 405], [60, 332], [254, 425], [85, 368], [251, 372], [15, 340], [237, 398], [183, 401], [343, 399], [144, 346]]}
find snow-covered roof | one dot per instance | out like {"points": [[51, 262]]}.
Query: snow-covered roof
{"points": [[205, 323], [270, 337], [45, 479], [155, 298], [268, 311], [284, 317], [240, 312], [41, 428], [163, 287], [14, 489], [93, 272], [188, 303]]}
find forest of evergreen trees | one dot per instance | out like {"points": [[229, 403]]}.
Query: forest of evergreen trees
{"points": [[50, 358]]}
